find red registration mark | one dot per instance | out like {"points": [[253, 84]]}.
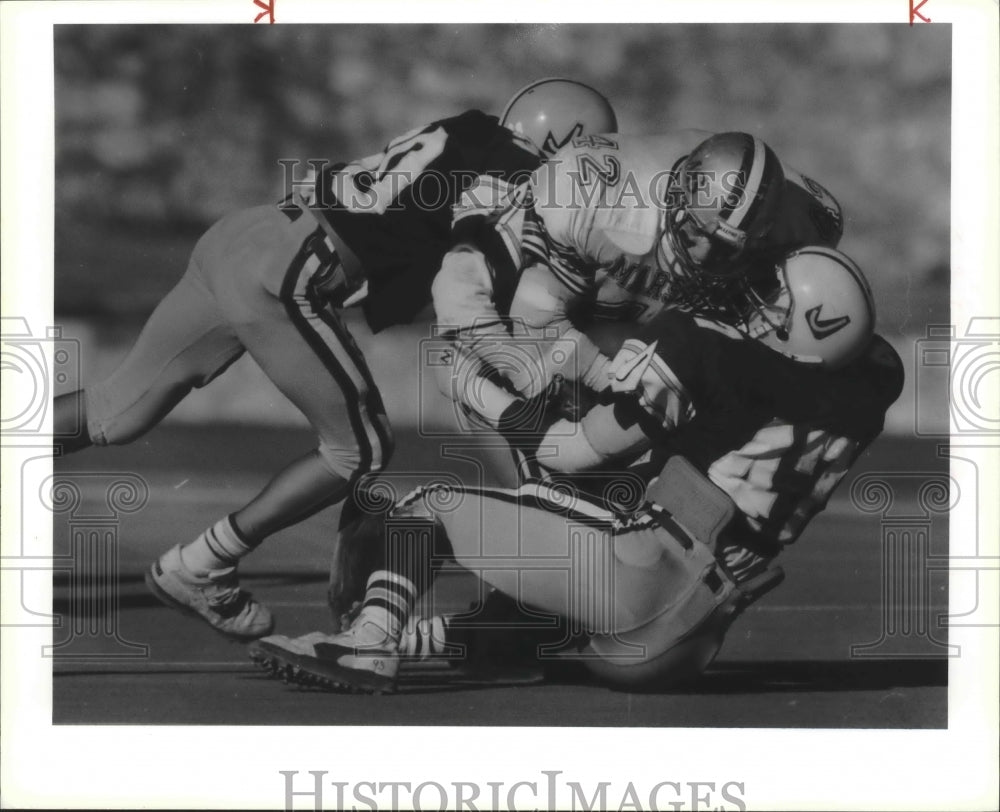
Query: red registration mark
{"points": [[915, 11], [268, 6]]}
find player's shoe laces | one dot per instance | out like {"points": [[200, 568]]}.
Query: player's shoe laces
{"points": [[216, 598], [363, 659]]}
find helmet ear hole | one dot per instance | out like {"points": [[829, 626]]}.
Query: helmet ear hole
{"points": [[551, 112]]}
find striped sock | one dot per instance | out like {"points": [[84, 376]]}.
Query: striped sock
{"points": [[388, 602], [219, 547]]}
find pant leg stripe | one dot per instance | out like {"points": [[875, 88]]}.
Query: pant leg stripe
{"points": [[291, 283], [341, 343], [373, 401], [580, 509]]}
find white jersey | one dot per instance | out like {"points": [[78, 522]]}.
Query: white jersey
{"points": [[580, 242], [598, 209]]}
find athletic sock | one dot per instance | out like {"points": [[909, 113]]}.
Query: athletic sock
{"points": [[393, 591], [388, 602], [219, 547]]}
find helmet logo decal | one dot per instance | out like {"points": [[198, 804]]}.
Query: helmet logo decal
{"points": [[552, 146], [822, 328]]}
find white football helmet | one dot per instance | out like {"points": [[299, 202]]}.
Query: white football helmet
{"points": [[551, 112], [822, 310]]}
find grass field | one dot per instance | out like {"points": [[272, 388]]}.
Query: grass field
{"points": [[787, 663]]}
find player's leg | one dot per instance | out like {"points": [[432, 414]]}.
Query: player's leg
{"points": [[330, 384], [308, 352], [184, 345], [679, 643], [311, 357], [555, 558], [654, 601]]}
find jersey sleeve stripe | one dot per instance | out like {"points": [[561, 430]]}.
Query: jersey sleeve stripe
{"points": [[562, 261]]}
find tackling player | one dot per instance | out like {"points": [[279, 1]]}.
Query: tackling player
{"points": [[747, 438], [615, 228], [269, 280], [611, 229]]}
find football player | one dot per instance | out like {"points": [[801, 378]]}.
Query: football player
{"points": [[741, 441], [615, 228], [611, 229], [270, 280]]}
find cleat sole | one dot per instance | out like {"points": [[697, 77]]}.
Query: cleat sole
{"points": [[313, 672]]}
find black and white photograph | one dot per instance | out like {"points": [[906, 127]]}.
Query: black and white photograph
{"points": [[497, 415]]}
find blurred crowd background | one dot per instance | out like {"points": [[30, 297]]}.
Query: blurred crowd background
{"points": [[162, 129]]}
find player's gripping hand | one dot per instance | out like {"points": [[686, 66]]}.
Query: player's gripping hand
{"points": [[571, 400], [525, 422]]}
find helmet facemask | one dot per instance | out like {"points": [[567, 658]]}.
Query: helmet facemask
{"points": [[707, 274], [769, 314], [705, 248], [721, 203]]}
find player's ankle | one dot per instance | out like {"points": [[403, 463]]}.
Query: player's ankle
{"points": [[218, 547]]}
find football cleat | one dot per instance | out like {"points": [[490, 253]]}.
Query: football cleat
{"points": [[364, 659], [278, 654], [215, 598], [426, 637]]}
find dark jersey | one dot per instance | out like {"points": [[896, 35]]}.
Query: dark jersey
{"points": [[393, 210], [775, 434]]}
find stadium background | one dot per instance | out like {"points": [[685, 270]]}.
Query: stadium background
{"points": [[160, 130]]}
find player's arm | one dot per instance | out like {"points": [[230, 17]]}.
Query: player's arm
{"points": [[561, 272], [463, 302], [541, 309], [645, 399], [474, 285]]}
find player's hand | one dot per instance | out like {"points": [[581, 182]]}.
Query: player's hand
{"points": [[524, 423], [334, 286], [571, 400]]}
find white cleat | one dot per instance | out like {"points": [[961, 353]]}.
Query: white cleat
{"points": [[215, 598], [363, 659]]}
